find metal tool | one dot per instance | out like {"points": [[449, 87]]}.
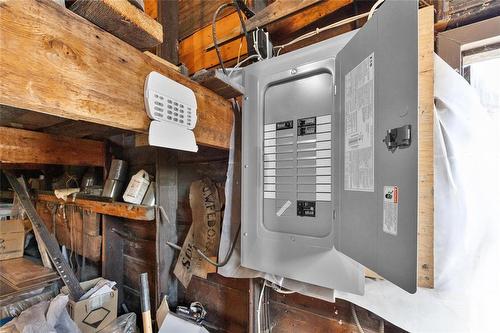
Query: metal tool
{"points": [[62, 267]]}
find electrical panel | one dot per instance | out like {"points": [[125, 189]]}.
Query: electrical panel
{"points": [[330, 157]]}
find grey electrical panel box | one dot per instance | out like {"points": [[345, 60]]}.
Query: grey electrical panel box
{"points": [[330, 157]]}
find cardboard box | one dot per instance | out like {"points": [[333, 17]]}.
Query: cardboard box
{"points": [[11, 239], [95, 313]]}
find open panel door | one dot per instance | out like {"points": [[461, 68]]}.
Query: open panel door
{"points": [[377, 91]]}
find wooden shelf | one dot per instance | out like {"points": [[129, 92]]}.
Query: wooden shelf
{"points": [[80, 72], [119, 209]]}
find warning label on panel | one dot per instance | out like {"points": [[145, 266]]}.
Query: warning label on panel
{"points": [[358, 135], [391, 197]]}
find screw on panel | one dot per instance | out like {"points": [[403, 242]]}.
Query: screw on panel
{"points": [[293, 71], [245, 234]]}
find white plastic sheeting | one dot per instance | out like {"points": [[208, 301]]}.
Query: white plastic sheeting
{"points": [[467, 222], [45, 317]]}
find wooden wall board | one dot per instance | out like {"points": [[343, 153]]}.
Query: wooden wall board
{"points": [[151, 8], [123, 20], [80, 72], [196, 14], [192, 50], [274, 12], [124, 258], [425, 238], [74, 230], [226, 303], [22, 146]]}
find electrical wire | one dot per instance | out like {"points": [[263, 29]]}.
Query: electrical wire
{"points": [[374, 8], [228, 255], [241, 63], [381, 324], [319, 30], [278, 289], [356, 320], [242, 22], [214, 33], [260, 304]]}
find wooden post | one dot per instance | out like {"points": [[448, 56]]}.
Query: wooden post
{"points": [[166, 229], [168, 15]]}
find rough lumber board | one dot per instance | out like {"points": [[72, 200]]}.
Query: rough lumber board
{"points": [[77, 71], [305, 17], [192, 50], [119, 209], [219, 83], [122, 19], [163, 61], [151, 8], [196, 14], [425, 238], [22, 146]]}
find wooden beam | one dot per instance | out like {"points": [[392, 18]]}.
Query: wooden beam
{"points": [[77, 71], [22, 146], [119, 209], [306, 17], [122, 19], [219, 83]]}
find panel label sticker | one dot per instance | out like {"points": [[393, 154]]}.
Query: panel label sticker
{"points": [[284, 125], [306, 126], [306, 208], [285, 206], [391, 198], [358, 131]]}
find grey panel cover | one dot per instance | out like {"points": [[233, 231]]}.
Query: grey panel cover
{"points": [[392, 36], [291, 246]]}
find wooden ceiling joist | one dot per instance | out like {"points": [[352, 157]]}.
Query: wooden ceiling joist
{"points": [[123, 20], [55, 62], [21, 146]]}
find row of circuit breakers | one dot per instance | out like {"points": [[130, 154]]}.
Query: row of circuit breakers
{"points": [[330, 155]]}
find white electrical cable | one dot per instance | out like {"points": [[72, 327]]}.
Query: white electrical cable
{"points": [[241, 63], [356, 320], [278, 289], [260, 305], [374, 8], [319, 30]]}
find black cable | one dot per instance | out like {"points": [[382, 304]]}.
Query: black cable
{"points": [[214, 34], [228, 255], [242, 22]]}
